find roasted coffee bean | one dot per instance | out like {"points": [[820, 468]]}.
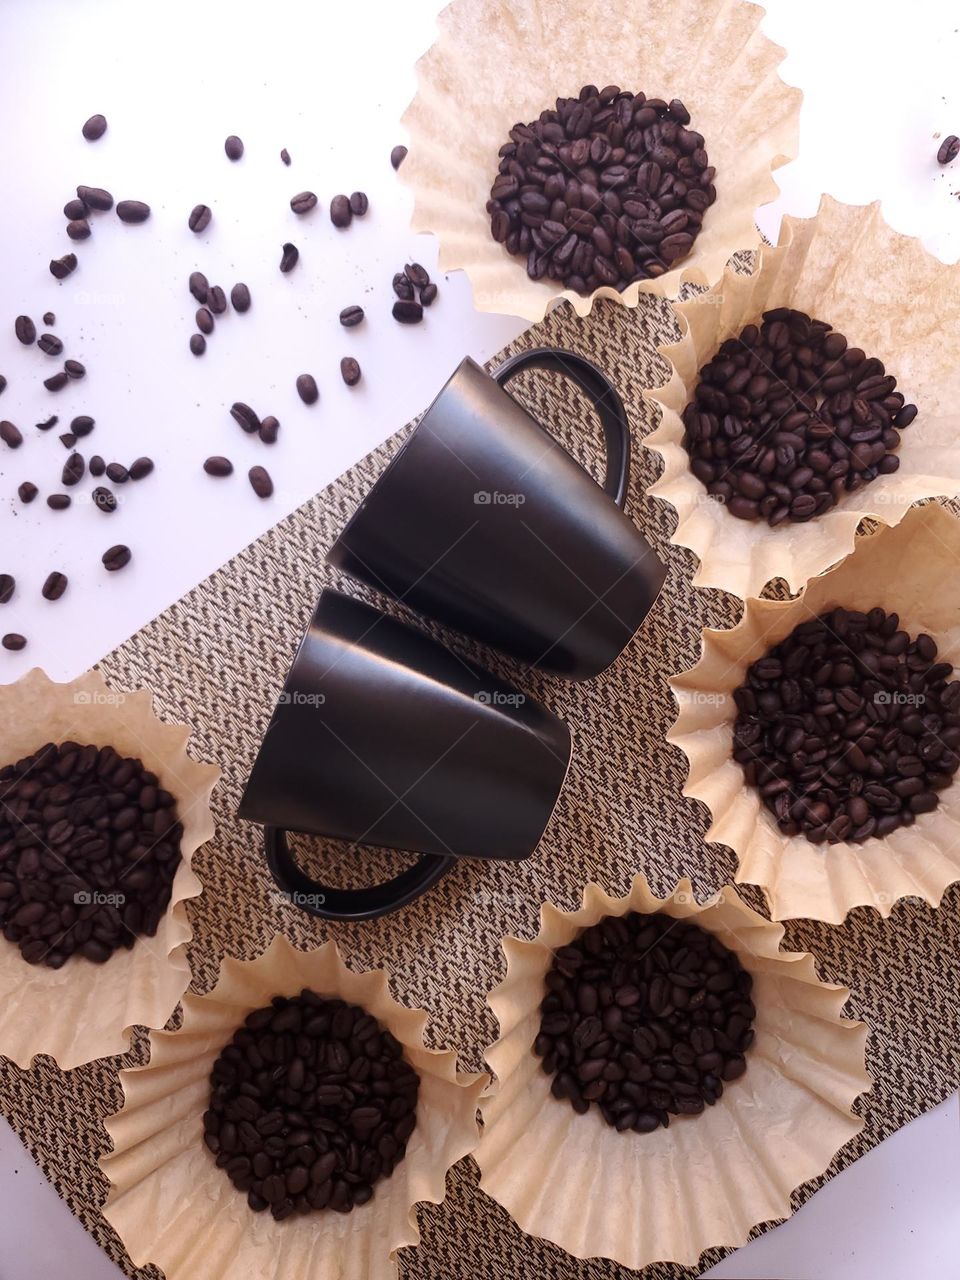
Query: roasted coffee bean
{"points": [[397, 156], [289, 258], [633, 1016], [199, 286], [48, 423], [269, 430], [81, 425], [56, 381], [407, 312], [218, 466], [340, 212], [199, 218], [8, 584], [104, 500], [95, 198], [428, 294], [351, 316], [307, 388], [350, 371], [402, 287], [359, 204], [74, 469], [198, 344], [245, 417], [285, 156], [14, 642], [78, 229], [3, 384], [11, 435], [73, 211], [58, 501], [303, 202], [132, 211], [233, 147], [68, 439], [96, 466], [117, 557], [27, 491], [140, 468], [25, 330], [204, 319], [49, 318], [240, 298], [848, 727], [74, 369], [60, 268], [217, 300], [117, 472], [95, 128], [260, 481], [54, 586], [949, 149], [50, 344], [417, 275]]}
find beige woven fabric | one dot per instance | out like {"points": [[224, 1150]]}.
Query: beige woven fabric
{"points": [[217, 660]]}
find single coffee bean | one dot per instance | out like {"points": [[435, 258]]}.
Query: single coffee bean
{"points": [[50, 344], [27, 491], [260, 481], [240, 298], [96, 466], [58, 501], [359, 204], [95, 198], [49, 318], [397, 156], [74, 470], [95, 128], [285, 156], [204, 319], [115, 558], [307, 388], [199, 286], [199, 218], [340, 212], [351, 316], [25, 330], [949, 149], [56, 381], [8, 584], [78, 229], [14, 642], [233, 147], [407, 312], [54, 586], [402, 287], [68, 439], [350, 371], [198, 344], [117, 472], [217, 300], [269, 430], [417, 275], [245, 417], [73, 211], [11, 435], [82, 425], [74, 369], [60, 268], [217, 466], [132, 211], [303, 202], [428, 294], [140, 468], [289, 258], [104, 499], [3, 384]]}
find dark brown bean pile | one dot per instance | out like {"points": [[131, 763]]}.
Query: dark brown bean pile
{"points": [[646, 1016], [412, 281], [89, 846], [787, 418], [949, 149], [608, 188], [311, 1104], [849, 727]]}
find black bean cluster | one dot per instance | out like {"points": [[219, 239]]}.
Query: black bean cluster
{"points": [[646, 1016], [609, 188], [849, 727], [787, 418], [312, 1103], [89, 846]]}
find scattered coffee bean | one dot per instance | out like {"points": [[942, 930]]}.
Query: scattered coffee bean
{"points": [[95, 128], [198, 344], [307, 388], [849, 727], [95, 198], [240, 298], [217, 300], [82, 425], [428, 294], [96, 466], [407, 312], [74, 369], [204, 319], [417, 275], [3, 384], [303, 202], [359, 204], [199, 286], [55, 586], [104, 499], [14, 643], [245, 417], [50, 344], [74, 470], [289, 257], [949, 149], [68, 439], [117, 557], [78, 229], [140, 468], [340, 212], [60, 268], [233, 147], [218, 466], [117, 472], [285, 156], [397, 156], [350, 371], [74, 210], [608, 188], [105, 850], [269, 430], [646, 1016], [25, 330], [56, 381], [311, 1105], [787, 419], [11, 435], [58, 501], [48, 423], [27, 491], [49, 318], [351, 316], [199, 219], [260, 481], [133, 211], [8, 585], [402, 287]]}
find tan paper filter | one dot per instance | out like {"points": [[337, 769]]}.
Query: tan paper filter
{"points": [[173, 1207], [911, 569], [497, 62], [888, 296], [85, 1011], [707, 1180]]}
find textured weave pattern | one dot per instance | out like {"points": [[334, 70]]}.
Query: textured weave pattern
{"points": [[217, 661]]}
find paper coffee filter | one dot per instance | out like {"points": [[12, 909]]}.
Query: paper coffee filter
{"points": [[173, 1207], [497, 62], [85, 1011], [911, 569], [888, 296], [705, 1181]]}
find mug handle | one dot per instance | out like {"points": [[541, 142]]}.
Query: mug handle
{"points": [[330, 903], [602, 394]]}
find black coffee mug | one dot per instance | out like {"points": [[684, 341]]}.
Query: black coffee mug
{"points": [[384, 737], [484, 522]]}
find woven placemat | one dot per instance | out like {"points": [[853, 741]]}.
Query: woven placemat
{"points": [[217, 661]]}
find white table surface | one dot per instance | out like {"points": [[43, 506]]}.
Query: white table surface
{"points": [[330, 82]]}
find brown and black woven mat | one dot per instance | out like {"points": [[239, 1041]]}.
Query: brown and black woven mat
{"points": [[217, 661]]}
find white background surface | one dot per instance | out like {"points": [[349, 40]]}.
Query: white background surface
{"points": [[330, 82]]}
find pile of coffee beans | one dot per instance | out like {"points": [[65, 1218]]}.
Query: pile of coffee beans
{"points": [[647, 1017], [415, 290], [787, 419], [849, 727], [89, 846], [311, 1104], [608, 188], [213, 302]]}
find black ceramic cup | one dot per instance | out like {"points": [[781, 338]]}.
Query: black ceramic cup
{"points": [[384, 737], [485, 523]]}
